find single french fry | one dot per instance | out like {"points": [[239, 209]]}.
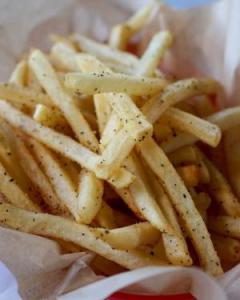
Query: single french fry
{"points": [[48, 79], [13, 193], [225, 119], [122, 33], [225, 225], [227, 248], [161, 132], [220, 190], [64, 229], [104, 52], [204, 106], [89, 200], [18, 76], [174, 245], [232, 147], [104, 82], [190, 175], [23, 95], [203, 130], [183, 156], [32, 81], [183, 203], [151, 58], [105, 267], [202, 202], [105, 217], [39, 179], [130, 237], [177, 92]]}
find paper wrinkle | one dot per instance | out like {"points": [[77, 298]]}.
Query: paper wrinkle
{"points": [[206, 43]]}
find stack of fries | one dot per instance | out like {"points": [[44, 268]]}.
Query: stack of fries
{"points": [[101, 151]]}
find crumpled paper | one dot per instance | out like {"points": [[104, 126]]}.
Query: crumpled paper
{"points": [[206, 42]]}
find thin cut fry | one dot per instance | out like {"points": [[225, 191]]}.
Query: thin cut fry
{"points": [[203, 130], [82, 235], [104, 82], [130, 237], [225, 225], [183, 156], [221, 191], [105, 217], [18, 76], [48, 79], [104, 52], [89, 200], [13, 193], [151, 58], [183, 203], [177, 92]]}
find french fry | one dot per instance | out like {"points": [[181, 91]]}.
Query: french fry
{"points": [[105, 217], [105, 267], [161, 132], [39, 179], [202, 202], [151, 58], [20, 95], [225, 119], [48, 79], [32, 81], [18, 76], [130, 115], [143, 199], [104, 52], [225, 225], [122, 33], [227, 248], [220, 190], [82, 235], [130, 237], [183, 156], [232, 147], [203, 106], [177, 92], [183, 203], [174, 245], [89, 200], [104, 82], [203, 130], [13, 193], [63, 55]]}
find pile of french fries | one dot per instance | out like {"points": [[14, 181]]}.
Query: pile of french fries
{"points": [[102, 151]]}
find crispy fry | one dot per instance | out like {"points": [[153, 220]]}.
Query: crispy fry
{"points": [[177, 92], [82, 235], [89, 200], [130, 237], [225, 225], [105, 82], [151, 58], [182, 201]]}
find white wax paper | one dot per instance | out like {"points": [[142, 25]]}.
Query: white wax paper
{"points": [[206, 42]]}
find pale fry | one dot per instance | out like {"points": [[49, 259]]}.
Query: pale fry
{"points": [[23, 95], [105, 52], [183, 203], [130, 237], [151, 58], [48, 79], [203, 130], [59, 179], [232, 148], [89, 200], [225, 225], [177, 92], [39, 179], [82, 235], [104, 82], [18, 76], [13, 193], [130, 116], [183, 156]]}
